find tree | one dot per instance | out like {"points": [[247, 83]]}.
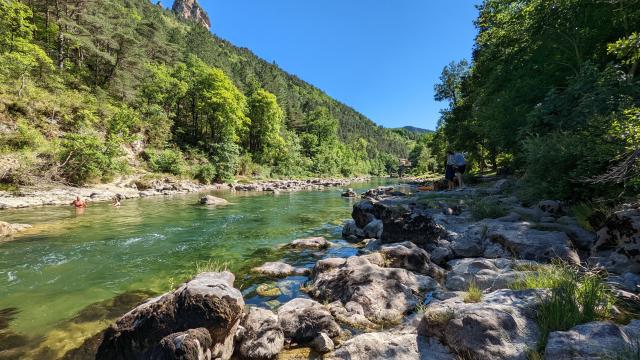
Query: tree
{"points": [[267, 119]]}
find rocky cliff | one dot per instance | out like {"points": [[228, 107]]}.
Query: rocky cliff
{"points": [[191, 10]]}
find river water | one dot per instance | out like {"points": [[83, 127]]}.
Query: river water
{"points": [[73, 273]]}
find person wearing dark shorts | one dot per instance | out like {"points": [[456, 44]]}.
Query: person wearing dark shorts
{"points": [[449, 170], [460, 166]]}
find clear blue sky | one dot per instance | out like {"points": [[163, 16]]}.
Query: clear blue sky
{"points": [[381, 57]]}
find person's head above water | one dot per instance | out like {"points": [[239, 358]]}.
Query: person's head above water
{"points": [[78, 198]]}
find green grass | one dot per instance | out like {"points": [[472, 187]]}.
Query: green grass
{"points": [[474, 293], [487, 209], [574, 298], [211, 266]]}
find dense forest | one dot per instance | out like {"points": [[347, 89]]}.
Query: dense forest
{"points": [[94, 89], [552, 93]]}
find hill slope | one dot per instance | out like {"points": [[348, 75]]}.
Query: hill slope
{"points": [[95, 89]]}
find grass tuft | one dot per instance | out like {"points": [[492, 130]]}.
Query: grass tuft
{"points": [[574, 298], [487, 209], [211, 266], [474, 294]]}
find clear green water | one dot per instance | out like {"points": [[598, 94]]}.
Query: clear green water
{"points": [[70, 262]]}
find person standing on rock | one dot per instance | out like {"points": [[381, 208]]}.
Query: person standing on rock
{"points": [[449, 172], [460, 166]]}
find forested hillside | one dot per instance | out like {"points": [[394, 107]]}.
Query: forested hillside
{"points": [[552, 93], [93, 89]]}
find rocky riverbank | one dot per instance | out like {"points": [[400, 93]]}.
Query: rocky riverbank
{"points": [[136, 188], [435, 275]]}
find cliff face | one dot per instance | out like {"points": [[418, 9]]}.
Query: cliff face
{"points": [[191, 10]]}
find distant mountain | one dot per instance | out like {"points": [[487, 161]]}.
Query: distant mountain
{"points": [[416, 129], [191, 10]]}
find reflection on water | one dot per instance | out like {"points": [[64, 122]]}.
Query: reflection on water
{"points": [[72, 274]]}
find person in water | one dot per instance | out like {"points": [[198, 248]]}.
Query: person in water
{"points": [[79, 203], [116, 201]]}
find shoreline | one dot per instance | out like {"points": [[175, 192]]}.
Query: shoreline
{"points": [[132, 188]]}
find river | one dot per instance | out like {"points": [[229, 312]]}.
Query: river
{"points": [[73, 273]]}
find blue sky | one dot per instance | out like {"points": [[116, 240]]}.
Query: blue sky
{"points": [[380, 57]]}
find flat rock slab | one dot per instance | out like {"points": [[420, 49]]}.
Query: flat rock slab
{"points": [[502, 326], [490, 274], [310, 243], [594, 341], [280, 269], [392, 346]]}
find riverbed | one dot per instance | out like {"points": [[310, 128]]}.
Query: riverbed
{"points": [[73, 272]]}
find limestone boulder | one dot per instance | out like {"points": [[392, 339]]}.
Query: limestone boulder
{"points": [[487, 274], [208, 301], [385, 294], [501, 326], [302, 320], [594, 341], [408, 255], [193, 344], [318, 242], [262, 337]]}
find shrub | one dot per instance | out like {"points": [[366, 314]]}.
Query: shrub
{"points": [[205, 173], [84, 157], [25, 137], [487, 209], [474, 293], [166, 161]]}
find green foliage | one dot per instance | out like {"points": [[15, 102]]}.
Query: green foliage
{"points": [[86, 157], [26, 137], [267, 119], [166, 161], [552, 89]]}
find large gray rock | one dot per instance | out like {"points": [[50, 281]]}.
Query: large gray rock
{"points": [[208, 301], [502, 326], [618, 244], [487, 274], [581, 238], [373, 229], [391, 345], [594, 341], [212, 200], [550, 207], [494, 239], [410, 225], [279, 269], [263, 337], [351, 231], [363, 213], [385, 294], [352, 315], [409, 256], [193, 344], [303, 319], [322, 343]]}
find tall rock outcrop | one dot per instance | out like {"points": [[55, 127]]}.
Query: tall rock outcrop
{"points": [[191, 10]]}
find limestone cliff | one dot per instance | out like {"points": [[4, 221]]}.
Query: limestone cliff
{"points": [[191, 10]]}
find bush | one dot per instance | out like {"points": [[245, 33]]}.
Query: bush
{"points": [[225, 157], [84, 157], [205, 173], [166, 161], [25, 137]]}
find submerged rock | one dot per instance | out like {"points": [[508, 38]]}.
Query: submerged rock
{"points": [[385, 294], [310, 243], [262, 337], [280, 269], [594, 341], [302, 320], [208, 301], [349, 193], [7, 229]]}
